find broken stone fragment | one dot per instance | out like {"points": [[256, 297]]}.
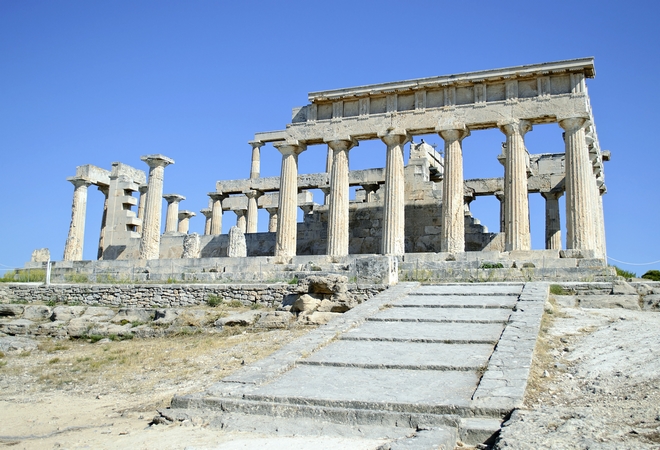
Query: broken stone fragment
{"points": [[11, 310], [306, 303], [275, 319], [37, 312]]}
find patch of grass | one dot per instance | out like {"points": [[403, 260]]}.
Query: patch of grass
{"points": [[624, 273], [136, 323], [52, 302], [556, 289], [491, 266], [256, 306], [171, 280], [76, 278], [54, 361], [93, 338], [214, 300], [3, 364], [2, 355], [293, 280], [24, 276], [653, 275], [235, 304]]}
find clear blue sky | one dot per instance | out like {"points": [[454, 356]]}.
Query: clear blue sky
{"points": [[92, 82]]}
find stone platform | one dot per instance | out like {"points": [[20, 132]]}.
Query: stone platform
{"points": [[450, 358]]}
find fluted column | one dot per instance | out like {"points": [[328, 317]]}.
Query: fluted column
{"points": [[143, 197], [287, 228], [73, 249], [601, 217], [579, 173], [393, 239], [150, 240], [241, 223], [252, 210], [516, 207], [208, 214], [255, 167], [105, 190], [500, 196], [272, 219], [338, 210], [452, 234], [172, 216], [216, 212], [552, 220], [184, 221]]}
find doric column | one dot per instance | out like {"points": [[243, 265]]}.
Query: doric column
{"points": [[516, 207], [579, 175], [603, 244], [393, 236], [255, 167], [208, 214], [216, 211], [338, 210], [452, 237], [73, 250], [184, 221], [172, 216], [500, 196], [241, 223], [143, 197], [552, 220], [150, 241], [104, 219], [328, 170], [272, 219], [252, 211], [287, 228]]}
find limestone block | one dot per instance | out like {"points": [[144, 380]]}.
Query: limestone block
{"points": [[237, 247], [243, 319], [306, 303], [191, 246], [275, 319], [16, 343], [40, 255], [192, 317], [98, 314], [318, 318], [166, 316], [52, 329], [644, 289], [326, 305], [326, 284], [651, 302], [18, 326], [37, 312], [623, 288], [78, 327], [66, 313], [609, 301], [133, 315], [11, 310]]}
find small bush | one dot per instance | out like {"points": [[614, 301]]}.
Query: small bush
{"points": [[171, 280], [293, 280], [214, 300], [255, 306], [52, 302], [93, 338], [556, 289], [2, 354], [235, 304], [492, 266], [653, 275], [136, 323], [24, 276], [624, 273], [76, 278]]}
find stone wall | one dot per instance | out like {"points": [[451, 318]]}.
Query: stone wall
{"points": [[159, 295]]}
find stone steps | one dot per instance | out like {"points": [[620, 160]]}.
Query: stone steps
{"points": [[418, 355]]}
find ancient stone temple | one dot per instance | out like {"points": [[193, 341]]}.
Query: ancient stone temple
{"points": [[419, 206]]}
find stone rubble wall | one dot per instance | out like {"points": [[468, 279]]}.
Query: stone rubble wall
{"points": [[635, 295], [159, 295]]}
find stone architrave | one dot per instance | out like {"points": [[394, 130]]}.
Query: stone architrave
{"points": [[105, 190], [452, 237], [73, 250], [143, 197], [552, 220], [338, 209], [252, 210], [237, 247], [172, 216], [255, 166], [216, 211], [184, 221], [191, 246], [287, 228], [579, 175], [516, 207], [393, 239], [208, 215], [241, 223], [150, 240], [272, 219]]}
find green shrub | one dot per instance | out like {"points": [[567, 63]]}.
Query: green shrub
{"points": [[24, 276], [624, 273], [235, 304], [556, 289], [76, 278], [492, 266], [293, 280], [653, 275], [214, 300]]}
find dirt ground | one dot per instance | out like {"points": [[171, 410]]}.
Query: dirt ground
{"points": [[595, 384]]}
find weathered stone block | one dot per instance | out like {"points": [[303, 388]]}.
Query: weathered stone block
{"points": [[609, 301], [11, 310], [275, 319], [318, 318], [306, 303], [37, 312], [243, 319], [66, 313], [623, 288]]}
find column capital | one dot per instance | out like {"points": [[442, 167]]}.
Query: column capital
{"points": [[104, 188], [78, 181], [552, 195], [239, 212], [206, 212], [342, 144], [157, 160], [253, 193], [272, 210], [290, 147], [456, 131], [185, 214], [394, 136], [143, 188], [572, 123], [256, 144], [173, 198], [215, 196], [515, 126], [499, 195]]}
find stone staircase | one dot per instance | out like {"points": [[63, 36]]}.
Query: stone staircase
{"points": [[449, 358]]}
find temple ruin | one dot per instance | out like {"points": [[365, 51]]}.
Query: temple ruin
{"points": [[419, 210]]}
